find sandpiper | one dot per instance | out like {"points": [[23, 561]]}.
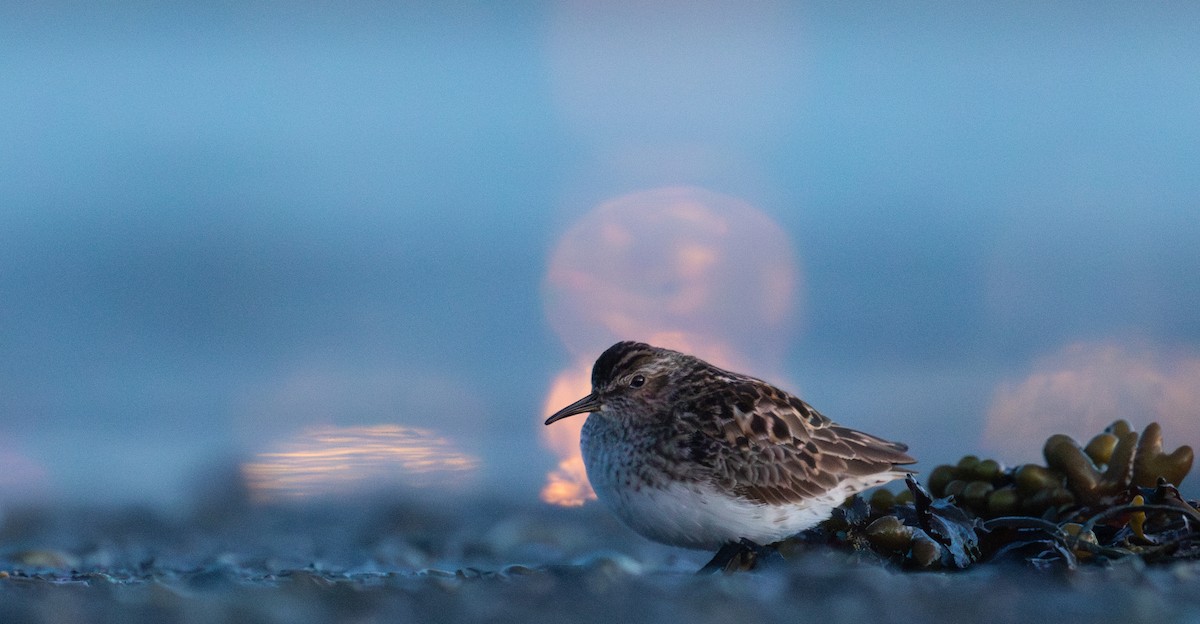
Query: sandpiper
{"points": [[691, 455]]}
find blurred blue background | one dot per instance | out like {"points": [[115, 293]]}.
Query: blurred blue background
{"points": [[225, 224]]}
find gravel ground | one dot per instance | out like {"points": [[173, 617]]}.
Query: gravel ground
{"points": [[403, 560]]}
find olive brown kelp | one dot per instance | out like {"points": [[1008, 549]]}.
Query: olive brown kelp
{"points": [[1114, 497]]}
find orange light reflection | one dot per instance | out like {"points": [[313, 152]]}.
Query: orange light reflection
{"points": [[567, 484], [337, 460], [682, 268], [1085, 387]]}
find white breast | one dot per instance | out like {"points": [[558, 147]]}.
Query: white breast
{"points": [[694, 514]]}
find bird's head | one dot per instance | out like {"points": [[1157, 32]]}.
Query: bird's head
{"points": [[632, 378]]}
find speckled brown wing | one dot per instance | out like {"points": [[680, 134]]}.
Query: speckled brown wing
{"points": [[774, 448]]}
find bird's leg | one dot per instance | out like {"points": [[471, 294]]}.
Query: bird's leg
{"points": [[739, 556], [728, 559]]}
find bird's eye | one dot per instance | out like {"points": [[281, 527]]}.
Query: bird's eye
{"points": [[637, 381]]}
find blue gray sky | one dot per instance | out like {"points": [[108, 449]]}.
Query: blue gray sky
{"points": [[224, 224]]}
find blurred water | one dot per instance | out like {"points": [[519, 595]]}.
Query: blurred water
{"points": [[399, 559], [223, 225]]}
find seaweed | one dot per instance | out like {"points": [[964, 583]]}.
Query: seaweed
{"points": [[1114, 498]]}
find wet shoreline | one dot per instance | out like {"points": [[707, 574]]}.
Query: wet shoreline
{"points": [[429, 561]]}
